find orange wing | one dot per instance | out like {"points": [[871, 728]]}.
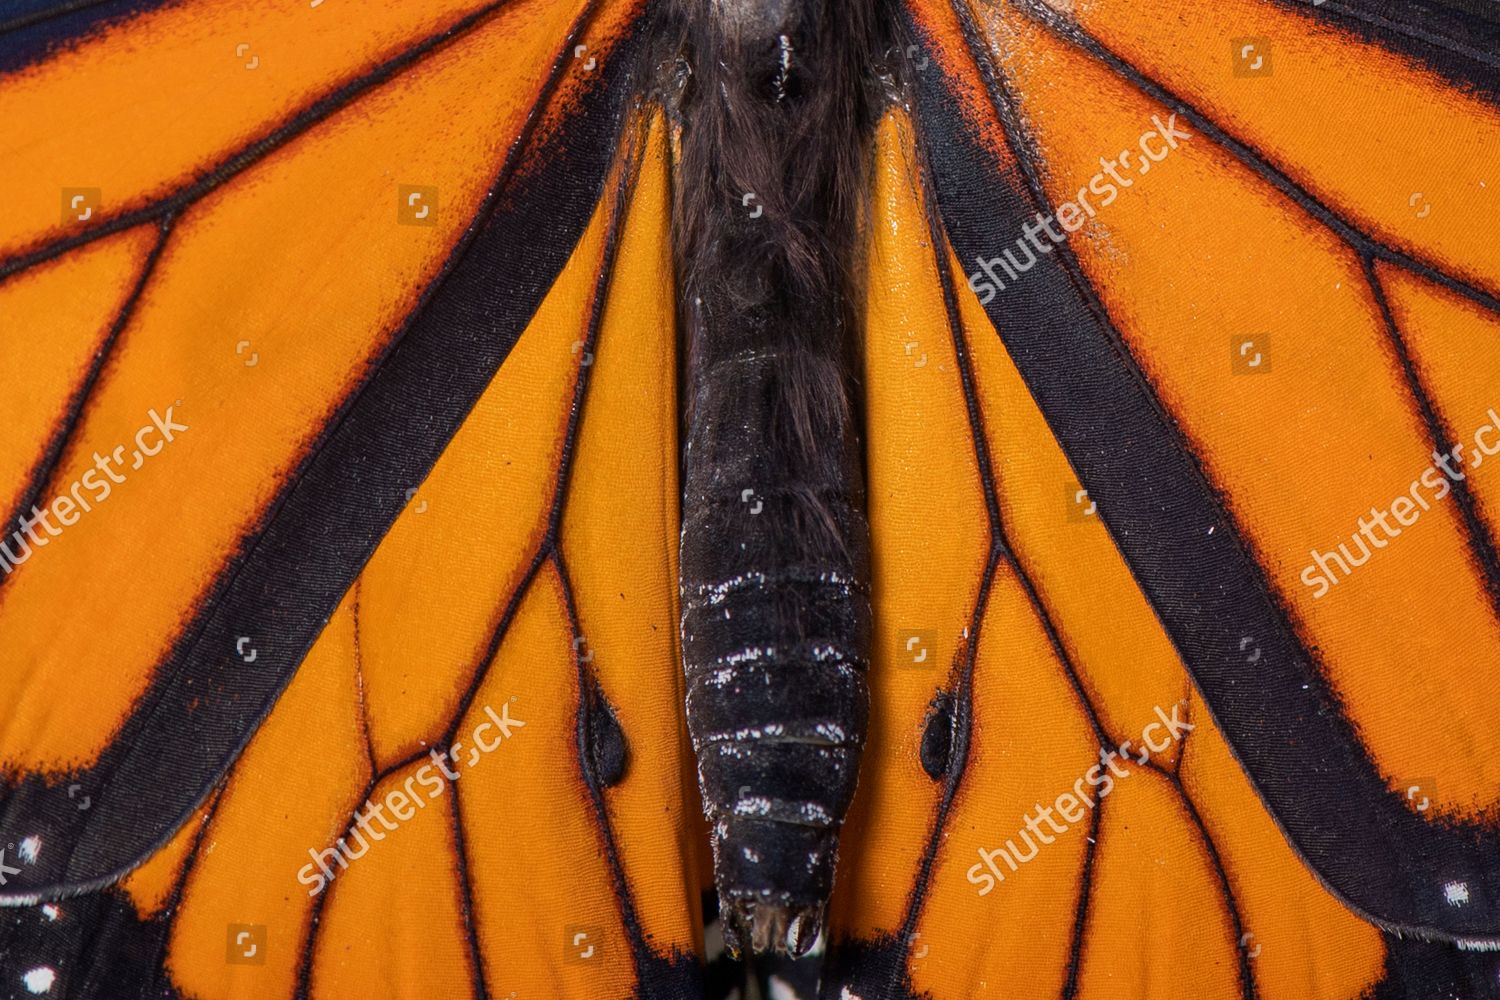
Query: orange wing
{"points": [[1120, 555], [161, 343], [390, 292]]}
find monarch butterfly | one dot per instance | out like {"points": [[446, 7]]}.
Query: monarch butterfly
{"points": [[1087, 583]]}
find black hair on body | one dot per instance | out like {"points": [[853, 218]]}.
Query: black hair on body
{"points": [[770, 196]]}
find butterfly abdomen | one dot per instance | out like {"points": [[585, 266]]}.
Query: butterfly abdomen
{"points": [[775, 567]]}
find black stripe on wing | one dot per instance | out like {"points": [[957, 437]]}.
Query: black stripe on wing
{"points": [[1457, 39], [31, 29]]}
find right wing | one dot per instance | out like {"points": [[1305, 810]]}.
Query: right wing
{"points": [[1124, 528]]}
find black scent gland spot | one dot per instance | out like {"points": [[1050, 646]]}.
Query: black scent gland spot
{"points": [[606, 741], [937, 736]]}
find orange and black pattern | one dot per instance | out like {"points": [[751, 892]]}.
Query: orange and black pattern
{"points": [[342, 361]]}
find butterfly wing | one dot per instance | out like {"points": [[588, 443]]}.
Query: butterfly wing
{"points": [[1135, 514], [400, 517]]}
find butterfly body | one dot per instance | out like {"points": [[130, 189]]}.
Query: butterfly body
{"points": [[775, 570]]}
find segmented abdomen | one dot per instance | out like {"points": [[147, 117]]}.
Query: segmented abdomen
{"points": [[775, 548], [775, 629]]}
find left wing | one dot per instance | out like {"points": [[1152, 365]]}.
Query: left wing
{"points": [[400, 509]]}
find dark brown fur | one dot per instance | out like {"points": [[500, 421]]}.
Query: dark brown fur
{"points": [[775, 572]]}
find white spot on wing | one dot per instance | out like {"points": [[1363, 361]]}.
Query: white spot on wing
{"points": [[39, 980]]}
